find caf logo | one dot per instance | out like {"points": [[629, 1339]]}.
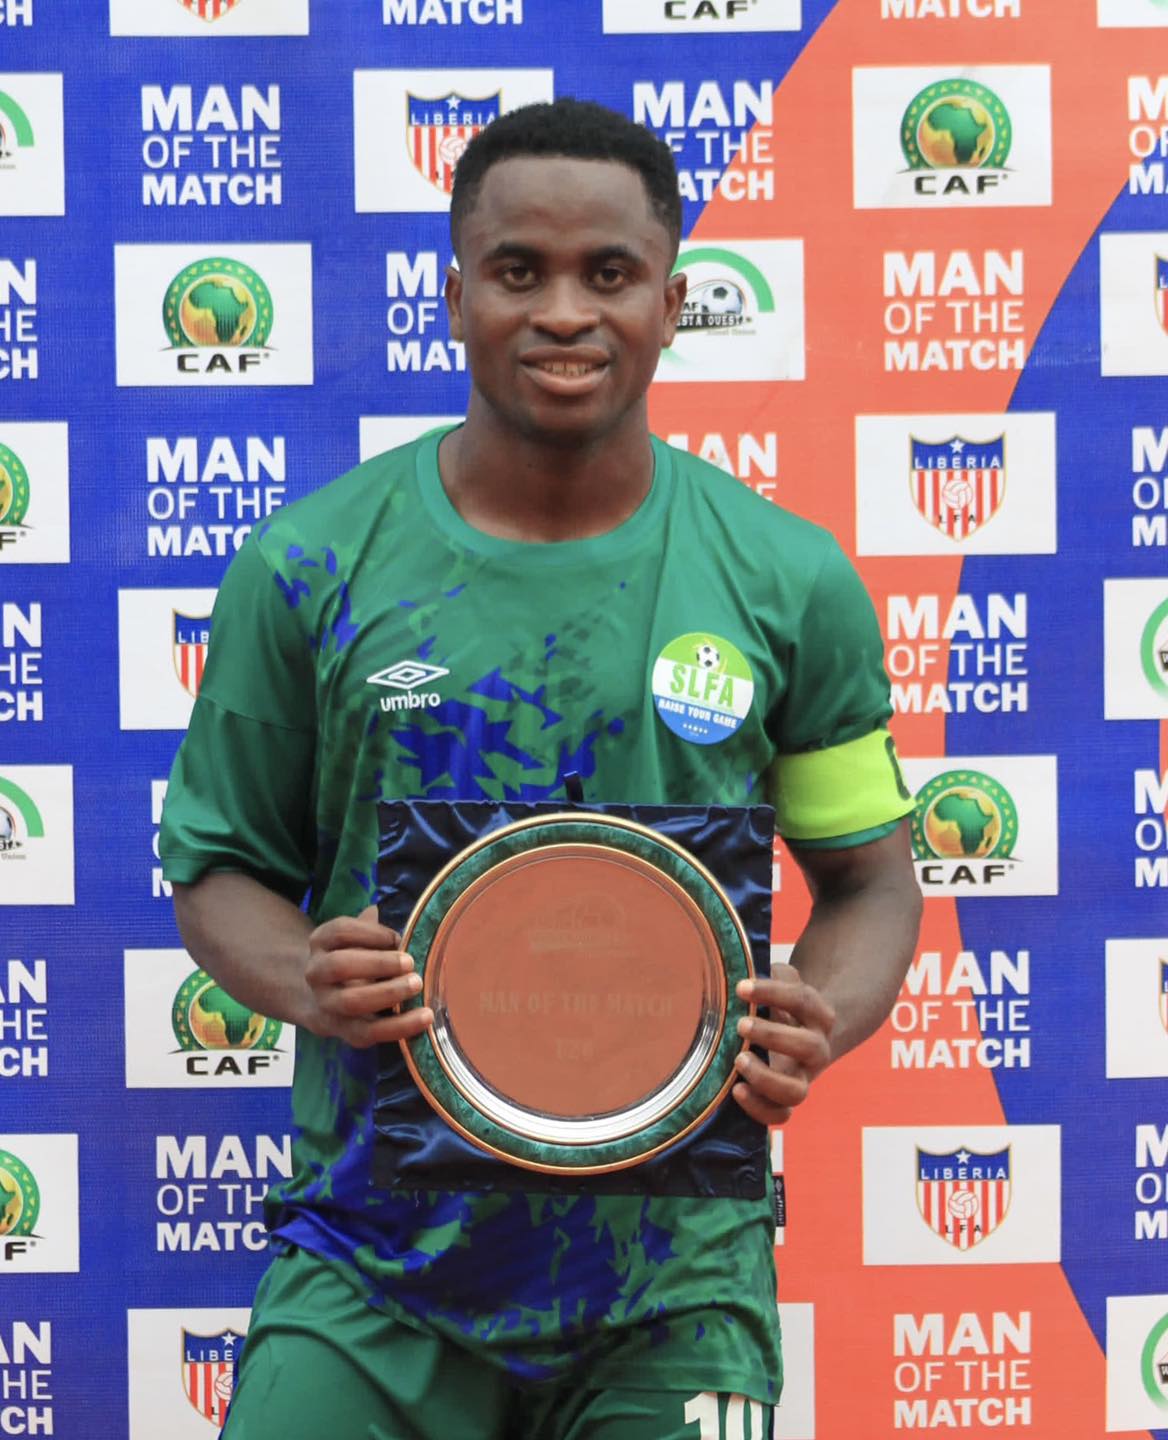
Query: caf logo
{"points": [[205, 1017], [219, 304], [14, 489], [963, 815], [956, 124], [20, 1199], [15, 128]]}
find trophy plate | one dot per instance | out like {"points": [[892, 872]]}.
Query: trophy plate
{"points": [[582, 971]]}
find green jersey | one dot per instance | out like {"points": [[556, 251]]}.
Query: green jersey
{"points": [[368, 644]]}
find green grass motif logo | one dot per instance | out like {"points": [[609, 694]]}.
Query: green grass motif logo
{"points": [[17, 805], [728, 300], [205, 1017], [218, 304], [1154, 649], [20, 1199], [964, 815], [956, 124], [15, 127], [1154, 1364], [14, 488]]}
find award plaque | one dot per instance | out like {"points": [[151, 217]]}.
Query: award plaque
{"points": [[582, 973]]}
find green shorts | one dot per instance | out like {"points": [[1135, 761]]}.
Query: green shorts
{"points": [[320, 1364]]}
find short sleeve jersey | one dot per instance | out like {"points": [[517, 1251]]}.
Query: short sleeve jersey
{"points": [[368, 644]]}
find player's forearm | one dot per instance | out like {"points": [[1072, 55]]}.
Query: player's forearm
{"points": [[249, 939], [856, 949]]}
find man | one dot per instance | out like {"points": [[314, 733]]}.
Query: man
{"points": [[539, 559]]}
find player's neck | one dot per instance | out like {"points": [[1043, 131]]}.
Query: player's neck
{"points": [[520, 488]]}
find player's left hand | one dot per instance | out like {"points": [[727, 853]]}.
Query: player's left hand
{"points": [[796, 1034]]}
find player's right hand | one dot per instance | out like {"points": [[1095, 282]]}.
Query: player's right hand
{"points": [[357, 977]]}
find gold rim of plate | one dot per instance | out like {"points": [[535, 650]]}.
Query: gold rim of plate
{"points": [[590, 1142]]}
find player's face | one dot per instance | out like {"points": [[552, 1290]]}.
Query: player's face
{"points": [[563, 297]]}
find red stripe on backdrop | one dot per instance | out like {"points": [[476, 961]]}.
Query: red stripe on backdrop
{"points": [[1164, 752], [822, 1258]]}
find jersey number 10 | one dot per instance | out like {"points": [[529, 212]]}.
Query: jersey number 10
{"points": [[706, 1410]]}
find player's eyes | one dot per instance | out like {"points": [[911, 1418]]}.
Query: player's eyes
{"points": [[610, 276], [516, 274]]}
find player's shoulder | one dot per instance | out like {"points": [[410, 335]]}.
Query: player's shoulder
{"points": [[727, 503], [348, 510]]}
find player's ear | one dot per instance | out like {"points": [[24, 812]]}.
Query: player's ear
{"points": [[675, 290], [453, 293]]}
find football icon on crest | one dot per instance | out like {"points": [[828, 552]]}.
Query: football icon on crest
{"points": [[964, 1206]]}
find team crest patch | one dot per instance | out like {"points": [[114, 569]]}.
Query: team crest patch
{"points": [[958, 485], [963, 1196], [192, 635], [1162, 291], [210, 9], [209, 1371], [438, 131], [703, 687]]}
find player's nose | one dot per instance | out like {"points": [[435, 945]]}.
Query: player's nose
{"points": [[565, 308]]}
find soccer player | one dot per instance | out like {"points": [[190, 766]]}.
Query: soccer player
{"points": [[534, 563]]}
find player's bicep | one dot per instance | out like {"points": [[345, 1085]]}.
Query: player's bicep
{"points": [[240, 797], [849, 870]]}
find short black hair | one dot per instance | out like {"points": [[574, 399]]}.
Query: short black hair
{"points": [[581, 130]]}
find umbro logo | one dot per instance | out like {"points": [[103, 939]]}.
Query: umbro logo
{"points": [[406, 676]]}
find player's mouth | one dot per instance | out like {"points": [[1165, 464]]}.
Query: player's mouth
{"points": [[563, 367], [575, 373]]}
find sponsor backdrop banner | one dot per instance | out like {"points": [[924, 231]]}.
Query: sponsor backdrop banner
{"points": [[928, 250]]}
